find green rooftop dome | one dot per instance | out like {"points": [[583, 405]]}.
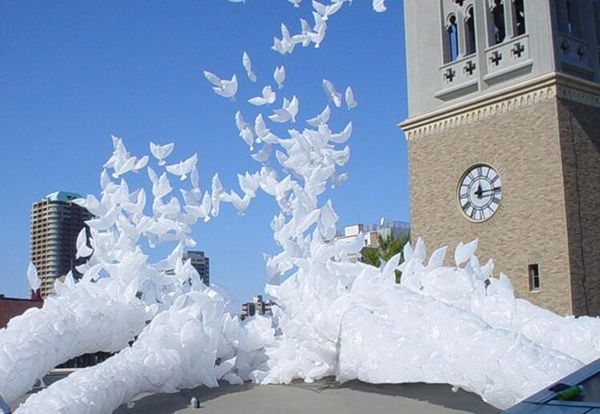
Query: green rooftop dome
{"points": [[62, 196]]}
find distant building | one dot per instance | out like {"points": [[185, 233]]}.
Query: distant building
{"points": [[371, 232], [55, 223], [86, 360], [257, 307], [11, 307], [199, 262]]}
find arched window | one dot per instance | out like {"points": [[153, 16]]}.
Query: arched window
{"points": [[451, 34], [597, 21], [498, 25], [470, 32], [518, 17], [572, 23]]}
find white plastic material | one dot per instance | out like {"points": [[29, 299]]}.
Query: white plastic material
{"points": [[88, 318], [457, 325], [178, 349]]}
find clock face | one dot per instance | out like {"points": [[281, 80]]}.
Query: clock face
{"points": [[480, 192]]}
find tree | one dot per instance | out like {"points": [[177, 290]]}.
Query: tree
{"points": [[388, 247]]}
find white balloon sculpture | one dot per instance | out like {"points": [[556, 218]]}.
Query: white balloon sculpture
{"points": [[456, 325]]}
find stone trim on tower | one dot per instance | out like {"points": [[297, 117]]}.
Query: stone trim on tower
{"points": [[493, 104]]}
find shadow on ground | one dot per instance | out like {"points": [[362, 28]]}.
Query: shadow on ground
{"points": [[170, 403], [325, 395], [436, 394]]}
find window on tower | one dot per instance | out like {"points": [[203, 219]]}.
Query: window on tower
{"points": [[498, 25], [470, 31], [597, 21], [534, 277], [451, 41], [570, 22], [568, 16], [518, 17], [572, 10], [597, 25]]}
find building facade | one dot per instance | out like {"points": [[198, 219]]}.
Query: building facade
{"points": [[372, 232], [55, 224], [11, 307], [257, 307], [201, 263], [504, 139]]}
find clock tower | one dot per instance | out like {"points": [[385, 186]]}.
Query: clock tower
{"points": [[504, 139]]}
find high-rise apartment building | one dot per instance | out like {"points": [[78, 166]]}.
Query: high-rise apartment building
{"points": [[55, 223], [199, 262]]}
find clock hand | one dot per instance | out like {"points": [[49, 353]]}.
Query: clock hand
{"points": [[479, 191], [491, 190]]}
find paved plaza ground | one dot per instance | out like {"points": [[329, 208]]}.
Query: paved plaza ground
{"points": [[324, 396]]}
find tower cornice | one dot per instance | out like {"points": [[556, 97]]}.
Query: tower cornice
{"points": [[495, 103]]}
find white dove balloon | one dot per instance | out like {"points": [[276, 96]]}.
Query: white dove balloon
{"points": [[183, 168], [331, 93], [246, 132], [32, 277], [121, 161], [247, 63], [279, 76], [307, 34], [223, 87], [249, 183], [240, 123], [248, 136], [83, 250], [318, 32], [212, 78], [322, 118], [343, 136], [285, 44], [326, 10], [160, 185], [160, 152], [263, 134], [216, 192], [263, 154], [239, 203], [350, 100], [288, 111], [379, 6], [267, 98]]}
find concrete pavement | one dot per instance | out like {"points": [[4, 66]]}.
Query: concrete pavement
{"points": [[325, 396]]}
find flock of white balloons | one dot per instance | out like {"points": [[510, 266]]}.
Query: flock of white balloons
{"points": [[335, 317]]}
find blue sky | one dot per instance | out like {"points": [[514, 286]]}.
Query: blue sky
{"points": [[72, 73]]}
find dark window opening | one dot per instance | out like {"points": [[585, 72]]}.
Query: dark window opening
{"points": [[470, 32], [519, 17], [534, 277], [597, 21], [452, 39], [498, 25], [572, 25]]}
